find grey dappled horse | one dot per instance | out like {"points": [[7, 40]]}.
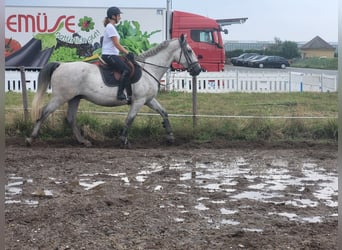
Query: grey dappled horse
{"points": [[74, 81]]}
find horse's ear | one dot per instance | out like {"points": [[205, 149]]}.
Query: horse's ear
{"points": [[182, 39]]}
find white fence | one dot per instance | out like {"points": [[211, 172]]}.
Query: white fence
{"points": [[215, 82], [251, 81]]}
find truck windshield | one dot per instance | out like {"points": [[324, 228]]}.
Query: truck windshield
{"points": [[204, 36]]}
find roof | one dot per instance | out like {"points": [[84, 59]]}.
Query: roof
{"points": [[317, 43]]}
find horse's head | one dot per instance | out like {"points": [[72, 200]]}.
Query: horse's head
{"points": [[188, 58]]}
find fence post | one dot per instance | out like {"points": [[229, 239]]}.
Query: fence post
{"points": [[194, 101], [321, 82], [24, 92], [290, 80]]}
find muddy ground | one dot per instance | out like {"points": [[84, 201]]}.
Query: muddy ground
{"points": [[189, 196]]}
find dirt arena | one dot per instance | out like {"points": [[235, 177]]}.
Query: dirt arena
{"points": [[188, 196]]}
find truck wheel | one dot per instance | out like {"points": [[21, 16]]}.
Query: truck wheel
{"points": [[261, 65], [283, 66]]}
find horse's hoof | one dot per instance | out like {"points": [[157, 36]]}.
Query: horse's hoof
{"points": [[88, 144], [125, 144], [28, 141], [170, 139]]}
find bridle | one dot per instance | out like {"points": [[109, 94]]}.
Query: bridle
{"points": [[184, 50]]}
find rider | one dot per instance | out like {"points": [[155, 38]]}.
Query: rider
{"points": [[111, 48]]}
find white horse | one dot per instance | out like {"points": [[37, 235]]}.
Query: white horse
{"points": [[74, 81]]}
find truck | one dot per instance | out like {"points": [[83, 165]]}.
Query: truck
{"points": [[37, 35]]}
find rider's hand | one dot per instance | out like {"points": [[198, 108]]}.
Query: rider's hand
{"points": [[130, 56]]}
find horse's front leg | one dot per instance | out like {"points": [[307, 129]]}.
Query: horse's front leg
{"points": [[156, 106], [135, 107]]}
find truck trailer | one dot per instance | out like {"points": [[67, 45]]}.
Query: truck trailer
{"points": [[36, 35]]}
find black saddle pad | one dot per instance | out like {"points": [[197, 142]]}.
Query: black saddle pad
{"points": [[108, 75]]}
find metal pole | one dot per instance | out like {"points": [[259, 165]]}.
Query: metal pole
{"points": [[24, 92], [194, 101], [168, 19], [168, 36], [2, 129]]}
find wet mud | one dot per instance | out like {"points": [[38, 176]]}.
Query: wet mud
{"points": [[180, 197]]}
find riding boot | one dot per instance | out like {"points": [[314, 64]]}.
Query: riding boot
{"points": [[122, 85]]}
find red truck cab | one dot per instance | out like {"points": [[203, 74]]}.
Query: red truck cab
{"points": [[203, 35]]}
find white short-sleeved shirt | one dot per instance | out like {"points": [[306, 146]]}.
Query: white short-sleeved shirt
{"points": [[108, 47]]}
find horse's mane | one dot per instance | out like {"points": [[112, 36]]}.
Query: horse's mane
{"points": [[153, 51]]}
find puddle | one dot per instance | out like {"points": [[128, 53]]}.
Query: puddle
{"points": [[295, 217], [88, 184], [201, 207], [256, 230], [255, 195], [227, 211], [13, 189], [302, 203], [230, 222], [234, 181]]}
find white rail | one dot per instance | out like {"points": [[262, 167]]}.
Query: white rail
{"points": [[215, 82]]}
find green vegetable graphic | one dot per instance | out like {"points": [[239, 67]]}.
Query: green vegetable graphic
{"points": [[49, 39], [132, 38], [86, 23]]}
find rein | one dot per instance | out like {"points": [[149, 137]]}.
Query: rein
{"points": [[149, 73], [186, 55]]}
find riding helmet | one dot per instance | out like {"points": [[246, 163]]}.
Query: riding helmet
{"points": [[113, 11]]}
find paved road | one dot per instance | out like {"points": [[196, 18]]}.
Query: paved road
{"points": [[301, 70]]}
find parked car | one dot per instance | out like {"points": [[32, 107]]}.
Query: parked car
{"points": [[252, 61], [270, 62], [246, 61], [237, 61]]}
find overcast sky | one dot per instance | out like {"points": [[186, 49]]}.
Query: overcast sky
{"points": [[291, 20]]}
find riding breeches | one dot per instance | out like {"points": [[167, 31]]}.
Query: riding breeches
{"points": [[116, 63]]}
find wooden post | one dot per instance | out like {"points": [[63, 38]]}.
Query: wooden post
{"points": [[194, 101], [24, 92]]}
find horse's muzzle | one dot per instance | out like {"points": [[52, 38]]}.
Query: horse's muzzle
{"points": [[195, 69]]}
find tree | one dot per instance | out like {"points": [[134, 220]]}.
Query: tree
{"points": [[289, 50]]}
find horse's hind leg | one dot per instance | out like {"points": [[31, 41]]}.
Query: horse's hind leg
{"points": [[156, 106], [46, 111], [71, 118]]}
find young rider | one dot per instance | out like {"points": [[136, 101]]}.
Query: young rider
{"points": [[111, 49]]}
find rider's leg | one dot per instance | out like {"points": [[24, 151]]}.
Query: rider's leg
{"points": [[124, 79], [116, 62], [122, 84]]}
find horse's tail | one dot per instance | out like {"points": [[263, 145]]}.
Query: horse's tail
{"points": [[44, 80]]}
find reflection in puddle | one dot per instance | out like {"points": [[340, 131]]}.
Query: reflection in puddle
{"points": [[227, 211], [295, 217], [230, 222], [254, 195], [201, 207], [88, 184]]}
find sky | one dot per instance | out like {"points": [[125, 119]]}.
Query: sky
{"points": [[288, 20]]}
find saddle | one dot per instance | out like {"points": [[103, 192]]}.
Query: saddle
{"points": [[111, 77]]}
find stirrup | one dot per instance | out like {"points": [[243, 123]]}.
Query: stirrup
{"points": [[122, 97]]}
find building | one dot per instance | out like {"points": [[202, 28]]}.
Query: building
{"points": [[247, 45], [317, 47]]}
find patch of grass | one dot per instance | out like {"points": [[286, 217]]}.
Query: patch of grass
{"points": [[260, 105], [316, 63]]}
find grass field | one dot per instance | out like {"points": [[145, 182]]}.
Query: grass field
{"points": [[259, 116]]}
